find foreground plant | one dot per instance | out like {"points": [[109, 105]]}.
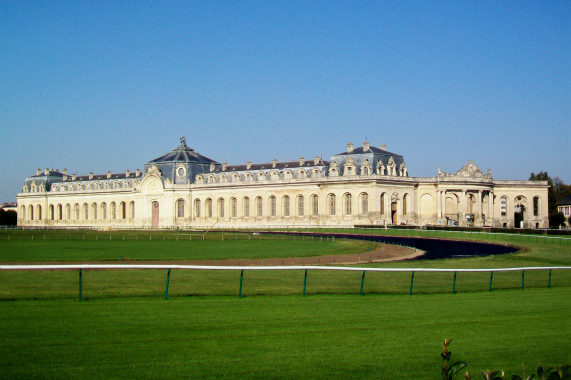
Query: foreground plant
{"points": [[551, 373], [449, 370]]}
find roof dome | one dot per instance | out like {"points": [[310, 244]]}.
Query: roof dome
{"points": [[182, 153]]}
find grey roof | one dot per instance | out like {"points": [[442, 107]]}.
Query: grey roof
{"points": [[270, 165], [565, 201], [372, 149], [182, 153]]}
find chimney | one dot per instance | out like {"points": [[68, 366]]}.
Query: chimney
{"points": [[127, 173], [301, 161], [350, 147], [383, 146], [137, 173], [212, 166], [65, 174], [38, 171], [46, 171], [316, 160], [366, 146], [249, 165], [91, 175], [73, 176], [224, 166], [274, 163], [108, 174]]}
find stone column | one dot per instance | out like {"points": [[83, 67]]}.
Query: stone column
{"points": [[444, 204], [439, 204]]}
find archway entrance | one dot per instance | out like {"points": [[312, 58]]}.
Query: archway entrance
{"points": [[519, 214], [394, 213], [155, 214]]}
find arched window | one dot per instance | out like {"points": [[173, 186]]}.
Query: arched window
{"points": [[273, 206], [287, 174], [275, 175], [383, 200], [208, 205], [315, 205], [113, 211], [535, 206], [300, 205], [60, 212], [76, 211], [259, 206], [223, 178], [180, 208], [39, 212], [247, 177], [31, 211], [405, 204], [85, 211], [197, 208], [331, 203], [503, 206], [210, 179], [23, 212], [221, 207], [347, 199], [302, 174], [52, 212], [104, 211], [286, 205], [235, 178], [132, 209], [261, 176], [94, 211], [123, 207], [246, 203], [234, 207], [68, 212], [364, 203]]}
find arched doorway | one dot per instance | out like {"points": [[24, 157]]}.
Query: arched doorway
{"points": [[155, 214], [394, 213], [519, 214]]}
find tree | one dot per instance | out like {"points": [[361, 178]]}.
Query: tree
{"points": [[557, 219], [8, 217]]}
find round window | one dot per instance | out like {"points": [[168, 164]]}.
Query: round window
{"points": [[180, 172]]}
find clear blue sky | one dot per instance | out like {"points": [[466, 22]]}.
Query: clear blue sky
{"points": [[109, 85]]}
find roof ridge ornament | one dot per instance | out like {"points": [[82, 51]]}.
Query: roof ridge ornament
{"points": [[183, 142]]}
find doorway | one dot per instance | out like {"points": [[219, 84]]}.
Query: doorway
{"points": [[155, 214], [394, 213]]}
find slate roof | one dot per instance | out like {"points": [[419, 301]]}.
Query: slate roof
{"points": [[372, 149], [182, 153], [270, 166], [565, 201]]}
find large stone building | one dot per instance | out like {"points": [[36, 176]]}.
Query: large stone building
{"points": [[364, 185]]}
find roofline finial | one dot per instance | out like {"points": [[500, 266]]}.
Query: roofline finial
{"points": [[183, 142]]}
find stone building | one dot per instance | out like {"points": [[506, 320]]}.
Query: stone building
{"points": [[364, 185]]}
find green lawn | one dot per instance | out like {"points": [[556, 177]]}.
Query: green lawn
{"points": [[125, 329], [380, 336]]}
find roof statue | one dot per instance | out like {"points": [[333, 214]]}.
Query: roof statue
{"points": [[183, 142], [468, 171]]}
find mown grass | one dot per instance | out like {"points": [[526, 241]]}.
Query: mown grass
{"points": [[381, 336], [165, 246]]}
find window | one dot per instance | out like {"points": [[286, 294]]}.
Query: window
{"points": [[405, 204], [302, 174], [68, 211], [104, 210], [39, 211], [76, 211], [331, 204], [132, 210], [234, 207], [123, 210], [197, 208], [300, 201], [52, 213], [85, 211], [23, 212], [208, 205], [246, 207], [383, 199], [113, 211], [535, 206], [503, 206], [221, 207], [364, 203], [347, 198], [180, 206], [315, 205], [31, 210], [94, 211], [286, 205], [60, 212], [273, 206], [259, 206]]}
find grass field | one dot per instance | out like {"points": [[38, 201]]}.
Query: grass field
{"points": [[125, 328]]}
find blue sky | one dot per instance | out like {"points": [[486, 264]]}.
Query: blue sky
{"points": [[109, 85]]}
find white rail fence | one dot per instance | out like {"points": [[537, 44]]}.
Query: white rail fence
{"points": [[168, 267]]}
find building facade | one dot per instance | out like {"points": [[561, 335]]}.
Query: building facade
{"points": [[364, 185]]}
